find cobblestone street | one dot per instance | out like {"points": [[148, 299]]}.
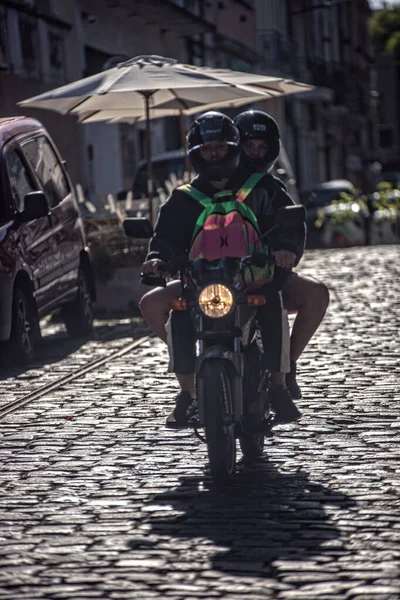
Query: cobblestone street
{"points": [[99, 501]]}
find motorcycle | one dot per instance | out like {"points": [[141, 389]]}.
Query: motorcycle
{"points": [[231, 382]]}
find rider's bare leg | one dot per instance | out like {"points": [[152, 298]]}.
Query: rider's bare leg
{"points": [[309, 298], [278, 379], [154, 307]]}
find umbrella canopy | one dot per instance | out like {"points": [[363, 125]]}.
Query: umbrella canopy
{"points": [[155, 86], [167, 83]]}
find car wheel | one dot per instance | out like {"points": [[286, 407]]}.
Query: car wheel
{"points": [[21, 345], [78, 315]]}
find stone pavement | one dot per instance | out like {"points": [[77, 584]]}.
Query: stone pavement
{"points": [[99, 501]]}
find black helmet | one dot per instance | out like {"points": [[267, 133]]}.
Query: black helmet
{"points": [[214, 127], [258, 124]]}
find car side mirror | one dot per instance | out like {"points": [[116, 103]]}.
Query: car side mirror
{"points": [[290, 215], [35, 206], [138, 227]]}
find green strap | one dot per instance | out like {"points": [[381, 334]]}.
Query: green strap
{"points": [[248, 186], [196, 194], [241, 195], [222, 194]]}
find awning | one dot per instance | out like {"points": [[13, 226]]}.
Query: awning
{"points": [[318, 94], [166, 15]]}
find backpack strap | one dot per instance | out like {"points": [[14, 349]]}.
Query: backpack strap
{"points": [[196, 194], [248, 186], [241, 195]]}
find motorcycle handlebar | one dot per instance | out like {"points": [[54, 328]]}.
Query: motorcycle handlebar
{"points": [[258, 259], [164, 267], [152, 281]]}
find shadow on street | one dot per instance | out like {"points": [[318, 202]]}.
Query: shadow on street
{"points": [[264, 516], [56, 345]]}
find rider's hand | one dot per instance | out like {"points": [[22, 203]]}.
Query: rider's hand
{"points": [[284, 258], [152, 267]]}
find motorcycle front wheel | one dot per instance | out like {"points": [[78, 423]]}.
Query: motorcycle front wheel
{"points": [[215, 393]]}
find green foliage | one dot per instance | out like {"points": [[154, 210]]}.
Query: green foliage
{"points": [[385, 201], [385, 31], [343, 210]]}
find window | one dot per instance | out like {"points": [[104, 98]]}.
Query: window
{"points": [[56, 56], [386, 137], [29, 44], [3, 39], [20, 180], [48, 168]]}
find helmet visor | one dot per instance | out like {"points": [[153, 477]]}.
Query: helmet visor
{"points": [[214, 143], [214, 151]]}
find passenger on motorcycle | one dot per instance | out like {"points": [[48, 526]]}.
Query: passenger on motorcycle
{"points": [[214, 151], [307, 297]]}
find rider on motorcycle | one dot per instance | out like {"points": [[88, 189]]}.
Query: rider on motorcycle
{"points": [[309, 298], [214, 151]]}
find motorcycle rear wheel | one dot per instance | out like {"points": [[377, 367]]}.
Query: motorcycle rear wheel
{"points": [[219, 429]]}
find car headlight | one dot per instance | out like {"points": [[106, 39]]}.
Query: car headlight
{"points": [[216, 301]]}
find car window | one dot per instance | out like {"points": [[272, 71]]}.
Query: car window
{"points": [[48, 168], [325, 197], [162, 171], [20, 180], [139, 186]]}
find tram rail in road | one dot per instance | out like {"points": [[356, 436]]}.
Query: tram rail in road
{"points": [[49, 387]]}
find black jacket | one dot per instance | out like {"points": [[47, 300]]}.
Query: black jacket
{"points": [[178, 216]]}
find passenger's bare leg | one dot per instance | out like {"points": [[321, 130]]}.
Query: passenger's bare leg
{"points": [[309, 298], [187, 384], [278, 379]]}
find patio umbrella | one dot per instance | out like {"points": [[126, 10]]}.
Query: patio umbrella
{"points": [[155, 86]]}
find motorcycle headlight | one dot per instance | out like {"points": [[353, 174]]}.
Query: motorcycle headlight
{"points": [[216, 301]]}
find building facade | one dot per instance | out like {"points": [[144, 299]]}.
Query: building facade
{"points": [[386, 98], [328, 132], [48, 43]]}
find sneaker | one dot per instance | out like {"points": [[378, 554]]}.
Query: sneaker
{"points": [[185, 407], [291, 382], [283, 406]]}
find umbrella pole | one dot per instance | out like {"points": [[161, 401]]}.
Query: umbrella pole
{"points": [[148, 155], [182, 129]]}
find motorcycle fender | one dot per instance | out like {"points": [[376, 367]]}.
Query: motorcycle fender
{"points": [[234, 370], [234, 359]]}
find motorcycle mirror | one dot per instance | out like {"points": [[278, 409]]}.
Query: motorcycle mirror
{"points": [[290, 215], [138, 227]]}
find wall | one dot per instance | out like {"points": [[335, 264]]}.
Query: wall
{"points": [[227, 15]]}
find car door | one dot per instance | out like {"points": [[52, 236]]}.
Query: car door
{"points": [[64, 213], [33, 240]]}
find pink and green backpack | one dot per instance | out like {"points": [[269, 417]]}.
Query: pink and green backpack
{"points": [[228, 227]]}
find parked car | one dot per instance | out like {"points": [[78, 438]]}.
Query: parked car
{"points": [[44, 260], [173, 163], [332, 222]]}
